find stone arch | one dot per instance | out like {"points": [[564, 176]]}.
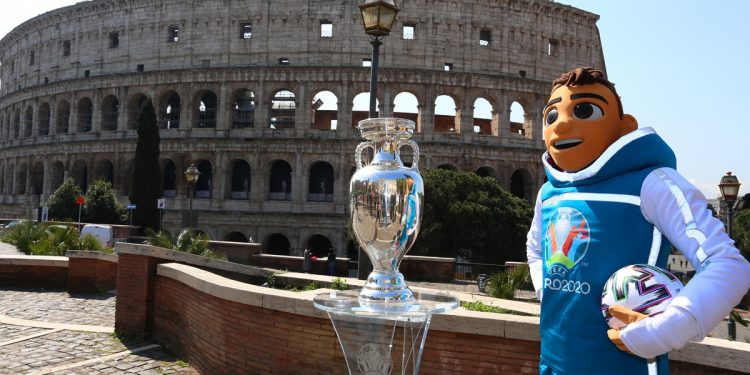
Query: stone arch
{"points": [[169, 179], [135, 103], [283, 110], [325, 107], [319, 245], [406, 105], [277, 244], [517, 114], [11, 176], [57, 175], [110, 111], [28, 121], [320, 182], [521, 184], [169, 110], [62, 116], [482, 117], [235, 237], [23, 172], [204, 186], [205, 109], [280, 185], [16, 124], [79, 173], [37, 178], [445, 118], [239, 180], [105, 170], [361, 107], [85, 112], [43, 119], [243, 109], [486, 172]]}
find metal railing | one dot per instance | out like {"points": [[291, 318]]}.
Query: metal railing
{"points": [[470, 271]]}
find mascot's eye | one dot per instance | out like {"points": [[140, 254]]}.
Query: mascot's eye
{"points": [[551, 117], [587, 111]]}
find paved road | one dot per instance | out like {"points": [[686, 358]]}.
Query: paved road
{"points": [[52, 332]]}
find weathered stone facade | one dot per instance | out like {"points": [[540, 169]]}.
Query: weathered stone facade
{"points": [[234, 84]]}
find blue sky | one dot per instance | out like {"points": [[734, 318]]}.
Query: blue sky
{"points": [[681, 67]]}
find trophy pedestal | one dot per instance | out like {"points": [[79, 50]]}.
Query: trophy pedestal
{"points": [[382, 338]]}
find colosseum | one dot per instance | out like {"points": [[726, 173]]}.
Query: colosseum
{"points": [[263, 97]]}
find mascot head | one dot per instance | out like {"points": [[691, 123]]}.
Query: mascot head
{"points": [[582, 118]]}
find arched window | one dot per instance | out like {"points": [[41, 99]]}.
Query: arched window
{"points": [[169, 180], [240, 180], [277, 244], [43, 119], [320, 187], [235, 237], [361, 107], [445, 115], [22, 175], [280, 188], [283, 110], [58, 174], [205, 180], [85, 110], [206, 115], [110, 112], [169, 111], [520, 184], [80, 174], [325, 111], [17, 124], [135, 103], [243, 109], [104, 170], [486, 172], [319, 245], [62, 118], [37, 179], [482, 117], [517, 119], [406, 105]]}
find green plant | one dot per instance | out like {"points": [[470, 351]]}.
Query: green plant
{"points": [[480, 306], [61, 238], [270, 281], [186, 241], [146, 180], [339, 284], [102, 205], [504, 284], [24, 235], [62, 203], [312, 285]]}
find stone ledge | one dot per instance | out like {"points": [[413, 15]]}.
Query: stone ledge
{"points": [[34, 260], [196, 260], [91, 255]]}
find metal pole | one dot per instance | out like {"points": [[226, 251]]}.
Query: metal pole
{"points": [[374, 76], [79, 217], [190, 207], [732, 327]]}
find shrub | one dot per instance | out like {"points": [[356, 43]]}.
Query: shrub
{"points": [[62, 203], [339, 284], [23, 236], [186, 241], [479, 306], [504, 284], [41, 239], [102, 206]]}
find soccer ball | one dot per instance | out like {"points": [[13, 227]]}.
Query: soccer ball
{"points": [[641, 288]]}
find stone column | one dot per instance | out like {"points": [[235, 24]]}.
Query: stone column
{"points": [[302, 108], [224, 108], [465, 115], [344, 114]]}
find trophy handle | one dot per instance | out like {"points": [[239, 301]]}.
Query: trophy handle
{"points": [[413, 145], [358, 152]]}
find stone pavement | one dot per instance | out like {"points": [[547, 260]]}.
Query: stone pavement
{"points": [[51, 332]]}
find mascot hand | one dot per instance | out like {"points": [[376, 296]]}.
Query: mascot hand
{"points": [[627, 316]]}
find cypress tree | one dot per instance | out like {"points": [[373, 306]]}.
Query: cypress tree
{"points": [[146, 186]]}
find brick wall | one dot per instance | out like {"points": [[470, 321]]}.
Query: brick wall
{"points": [[33, 276], [134, 306], [88, 275]]}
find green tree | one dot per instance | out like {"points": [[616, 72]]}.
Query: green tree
{"points": [[472, 216], [146, 181], [102, 206], [62, 203], [741, 232]]}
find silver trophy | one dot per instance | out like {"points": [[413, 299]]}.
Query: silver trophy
{"points": [[386, 205]]}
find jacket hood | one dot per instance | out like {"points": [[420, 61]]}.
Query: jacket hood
{"points": [[637, 150]]}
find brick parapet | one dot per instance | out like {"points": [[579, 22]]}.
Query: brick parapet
{"points": [[90, 272]]}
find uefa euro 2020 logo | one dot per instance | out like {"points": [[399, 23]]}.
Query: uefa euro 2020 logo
{"points": [[567, 240]]}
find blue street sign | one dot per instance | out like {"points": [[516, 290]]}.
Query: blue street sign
{"points": [[131, 207]]}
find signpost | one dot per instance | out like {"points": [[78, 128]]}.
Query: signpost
{"points": [[131, 207], [160, 204], [80, 201], [45, 214]]}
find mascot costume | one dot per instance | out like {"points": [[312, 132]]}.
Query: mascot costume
{"points": [[613, 198]]}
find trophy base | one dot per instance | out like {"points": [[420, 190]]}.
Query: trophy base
{"points": [[386, 289]]}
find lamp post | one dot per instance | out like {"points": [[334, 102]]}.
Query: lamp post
{"points": [[730, 188], [377, 17], [191, 176]]}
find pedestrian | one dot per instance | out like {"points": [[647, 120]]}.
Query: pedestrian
{"points": [[306, 261], [331, 262]]}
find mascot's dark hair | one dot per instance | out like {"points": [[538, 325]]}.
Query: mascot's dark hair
{"points": [[586, 76]]}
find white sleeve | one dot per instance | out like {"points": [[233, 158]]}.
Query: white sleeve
{"points": [[679, 211], [533, 247]]}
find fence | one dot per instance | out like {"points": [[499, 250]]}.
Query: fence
{"points": [[470, 271]]}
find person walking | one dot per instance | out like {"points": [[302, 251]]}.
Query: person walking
{"points": [[331, 262], [307, 261]]}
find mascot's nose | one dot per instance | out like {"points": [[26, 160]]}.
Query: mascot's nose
{"points": [[563, 126]]}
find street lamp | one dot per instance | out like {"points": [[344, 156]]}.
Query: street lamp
{"points": [[191, 176], [378, 17], [730, 188]]}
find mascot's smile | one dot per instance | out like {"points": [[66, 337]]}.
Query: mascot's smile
{"points": [[567, 143]]}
